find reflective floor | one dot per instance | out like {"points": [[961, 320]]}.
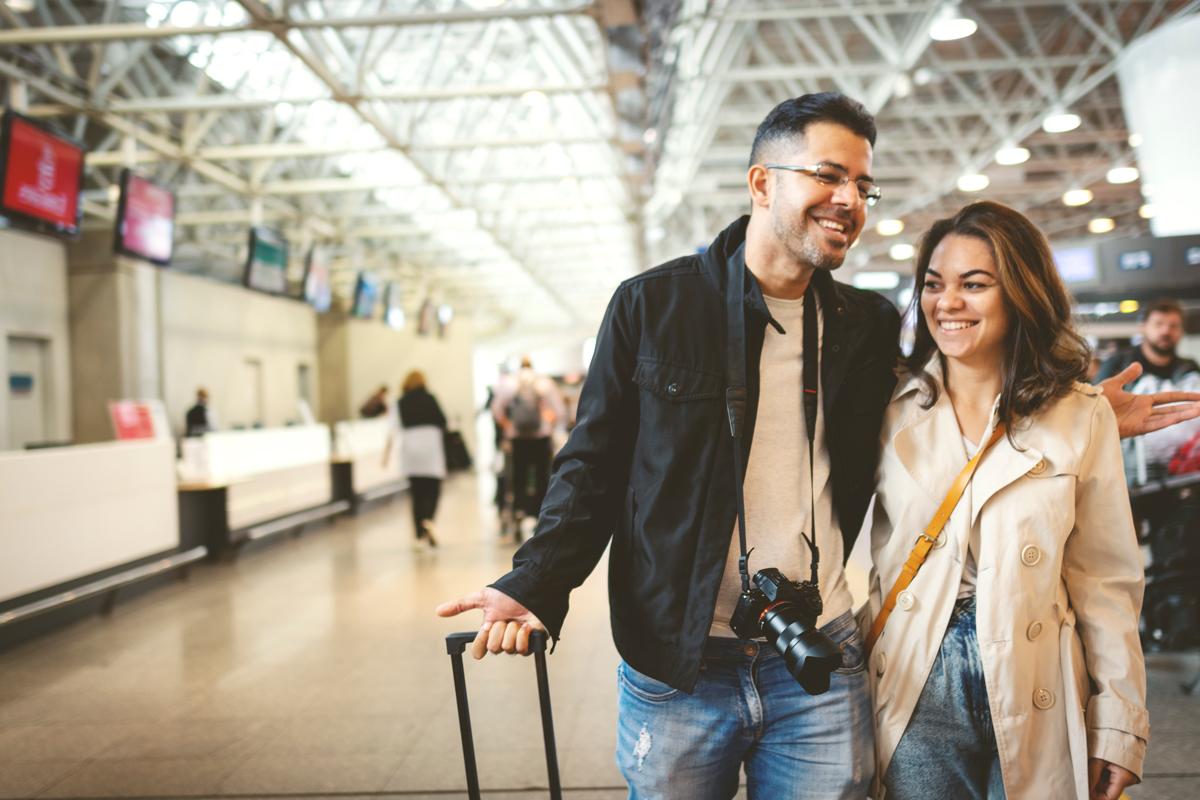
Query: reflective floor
{"points": [[314, 667]]}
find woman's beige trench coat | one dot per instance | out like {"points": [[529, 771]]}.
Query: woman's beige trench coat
{"points": [[1058, 593]]}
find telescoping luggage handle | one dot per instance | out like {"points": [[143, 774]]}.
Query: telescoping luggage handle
{"points": [[456, 643]]}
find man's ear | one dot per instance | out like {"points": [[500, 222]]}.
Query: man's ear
{"points": [[760, 183]]}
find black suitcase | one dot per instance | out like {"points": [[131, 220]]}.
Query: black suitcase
{"points": [[456, 643]]}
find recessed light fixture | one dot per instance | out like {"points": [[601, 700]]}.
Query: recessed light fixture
{"points": [[1011, 155], [901, 252], [650, 136], [1101, 225], [1077, 197], [1122, 175], [950, 24], [889, 227], [1135, 140], [973, 182], [1146, 211], [1060, 122], [19, 6]]}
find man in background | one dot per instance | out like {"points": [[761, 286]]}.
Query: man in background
{"points": [[527, 407], [199, 420], [1163, 370]]}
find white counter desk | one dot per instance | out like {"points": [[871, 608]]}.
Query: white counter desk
{"points": [[361, 470], [239, 486]]}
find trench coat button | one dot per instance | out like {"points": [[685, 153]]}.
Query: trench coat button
{"points": [[880, 664], [672, 389], [1033, 631], [1043, 698], [906, 600], [1031, 555], [1038, 468]]}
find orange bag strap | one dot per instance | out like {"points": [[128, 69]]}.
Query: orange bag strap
{"points": [[926, 540]]}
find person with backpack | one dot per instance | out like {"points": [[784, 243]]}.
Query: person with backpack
{"points": [[528, 408]]}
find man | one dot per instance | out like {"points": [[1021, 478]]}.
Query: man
{"points": [[199, 420], [650, 464], [527, 407], [1163, 370]]}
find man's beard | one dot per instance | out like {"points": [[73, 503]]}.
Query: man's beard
{"points": [[803, 248], [1166, 351]]}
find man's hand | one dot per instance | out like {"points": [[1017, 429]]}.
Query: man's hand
{"points": [[506, 623], [1106, 780], [1139, 414]]}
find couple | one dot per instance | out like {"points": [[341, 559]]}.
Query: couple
{"points": [[1011, 666]]}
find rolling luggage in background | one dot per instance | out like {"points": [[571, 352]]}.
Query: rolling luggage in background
{"points": [[456, 643]]}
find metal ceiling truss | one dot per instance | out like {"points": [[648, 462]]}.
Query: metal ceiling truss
{"points": [[943, 109], [521, 159]]}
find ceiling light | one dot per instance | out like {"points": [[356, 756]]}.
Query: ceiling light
{"points": [[901, 252], [1101, 225], [950, 24], [20, 6], [1146, 211], [1135, 140], [878, 281], [1060, 122], [1122, 175], [1077, 197], [1011, 155], [889, 227], [650, 136], [972, 183]]}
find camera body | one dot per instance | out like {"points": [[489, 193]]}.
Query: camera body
{"points": [[786, 612], [771, 587]]}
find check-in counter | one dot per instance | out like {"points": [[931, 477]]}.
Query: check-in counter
{"points": [[366, 460], [238, 486], [79, 522]]}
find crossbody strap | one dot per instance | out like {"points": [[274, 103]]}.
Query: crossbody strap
{"points": [[926, 540]]}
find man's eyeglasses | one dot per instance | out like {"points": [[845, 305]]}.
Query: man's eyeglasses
{"points": [[828, 175]]}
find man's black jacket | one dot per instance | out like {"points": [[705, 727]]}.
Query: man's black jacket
{"points": [[650, 461]]}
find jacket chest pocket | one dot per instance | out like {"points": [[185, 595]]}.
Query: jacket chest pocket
{"points": [[680, 409], [673, 383]]}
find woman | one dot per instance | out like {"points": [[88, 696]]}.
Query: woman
{"points": [[1011, 665], [422, 454]]}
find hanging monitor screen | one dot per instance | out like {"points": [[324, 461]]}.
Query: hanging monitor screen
{"points": [[366, 295], [266, 267], [318, 286], [145, 219], [41, 174]]}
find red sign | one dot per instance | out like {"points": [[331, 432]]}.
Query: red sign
{"points": [[147, 220], [131, 420], [41, 175]]}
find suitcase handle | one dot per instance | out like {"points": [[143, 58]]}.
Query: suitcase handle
{"points": [[456, 643]]}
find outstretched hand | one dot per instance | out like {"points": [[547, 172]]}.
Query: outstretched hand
{"points": [[506, 623], [1106, 780], [1138, 414]]}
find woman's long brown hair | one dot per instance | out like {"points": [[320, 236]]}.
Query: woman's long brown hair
{"points": [[1043, 354]]}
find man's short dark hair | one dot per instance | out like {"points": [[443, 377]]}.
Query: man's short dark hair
{"points": [[1164, 305], [790, 118]]}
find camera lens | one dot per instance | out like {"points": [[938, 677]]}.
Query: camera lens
{"points": [[810, 655]]}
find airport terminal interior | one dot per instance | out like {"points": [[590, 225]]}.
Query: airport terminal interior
{"points": [[298, 299]]}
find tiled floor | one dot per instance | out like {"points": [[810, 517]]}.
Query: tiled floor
{"points": [[314, 667]]}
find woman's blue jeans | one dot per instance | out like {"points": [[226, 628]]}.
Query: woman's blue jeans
{"points": [[747, 709], [949, 746]]}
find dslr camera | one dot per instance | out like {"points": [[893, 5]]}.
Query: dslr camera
{"points": [[785, 612]]}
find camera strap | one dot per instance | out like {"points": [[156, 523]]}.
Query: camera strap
{"points": [[736, 400]]}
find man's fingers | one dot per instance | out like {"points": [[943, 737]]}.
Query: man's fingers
{"points": [[456, 607], [479, 646], [1163, 398], [509, 644], [1129, 374], [496, 637], [523, 639]]}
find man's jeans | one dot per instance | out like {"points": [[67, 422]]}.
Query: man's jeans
{"points": [[949, 746], [748, 709]]}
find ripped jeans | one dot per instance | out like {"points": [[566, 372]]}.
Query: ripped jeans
{"points": [[748, 710]]}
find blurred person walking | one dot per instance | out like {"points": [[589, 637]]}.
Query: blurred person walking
{"points": [[422, 452]]}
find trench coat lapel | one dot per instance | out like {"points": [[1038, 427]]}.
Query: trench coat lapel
{"points": [[932, 467], [1000, 466]]}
